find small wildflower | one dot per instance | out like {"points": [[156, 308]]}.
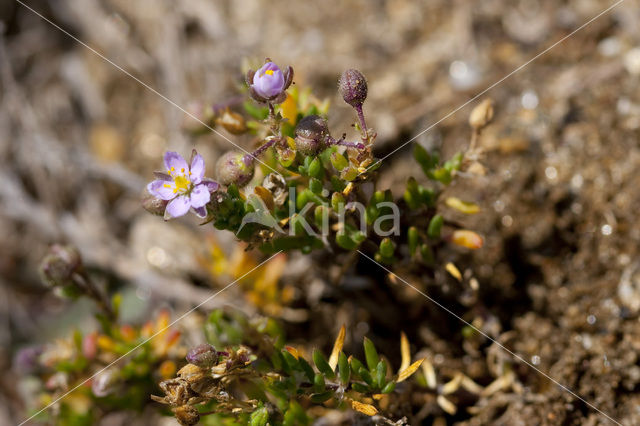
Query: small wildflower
{"points": [[235, 167], [183, 186], [26, 360], [269, 83]]}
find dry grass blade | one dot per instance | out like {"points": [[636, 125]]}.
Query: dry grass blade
{"points": [[407, 372], [405, 351], [367, 409], [337, 347], [429, 374], [454, 271], [448, 406], [452, 385]]}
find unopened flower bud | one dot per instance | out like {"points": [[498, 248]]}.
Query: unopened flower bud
{"points": [[269, 83], [58, 267], [353, 87], [187, 415], [235, 167], [232, 122], [203, 356], [311, 134]]}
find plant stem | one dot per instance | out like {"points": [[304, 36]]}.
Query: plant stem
{"points": [[363, 124]]}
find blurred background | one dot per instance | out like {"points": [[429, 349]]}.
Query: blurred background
{"points": [[79, 139]]}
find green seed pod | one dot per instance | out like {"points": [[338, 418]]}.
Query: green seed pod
{"points": [[235, 167]]}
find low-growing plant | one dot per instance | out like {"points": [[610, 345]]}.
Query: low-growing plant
{"points": [[303, 189], [258, 380]]}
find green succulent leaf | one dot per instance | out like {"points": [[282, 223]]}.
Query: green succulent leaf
{"points": [[435, 226], [321, 363], [371, 354], [344, 370]]}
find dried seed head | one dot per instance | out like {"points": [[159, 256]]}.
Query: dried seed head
{"points": [[311, 134], [235, 167], [232, 122], [187, 415], [203, 356], [275, 183], [353, 87], [482, 114]]}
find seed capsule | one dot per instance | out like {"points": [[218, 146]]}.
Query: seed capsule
{"points": [[311, 135], [353, 87], [58, 267], [235, 167], [203, 356]]}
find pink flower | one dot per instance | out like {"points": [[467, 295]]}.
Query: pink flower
{"points": [[183, 185]]}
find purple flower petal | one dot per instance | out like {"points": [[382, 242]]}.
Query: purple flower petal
{"points": [[200, 196], [201, 212], [197, 169], [162, 189], [175, 164], [178, 207], [212, 185]]}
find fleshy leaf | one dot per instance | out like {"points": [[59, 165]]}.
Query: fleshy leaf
{"points": [[371, 354]]}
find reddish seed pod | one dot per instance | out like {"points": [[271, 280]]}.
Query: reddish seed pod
{"points": [[203, 356], [353, 87]]}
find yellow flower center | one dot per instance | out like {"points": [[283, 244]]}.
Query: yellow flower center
{"points": [[182, 184], [269, 72]]}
